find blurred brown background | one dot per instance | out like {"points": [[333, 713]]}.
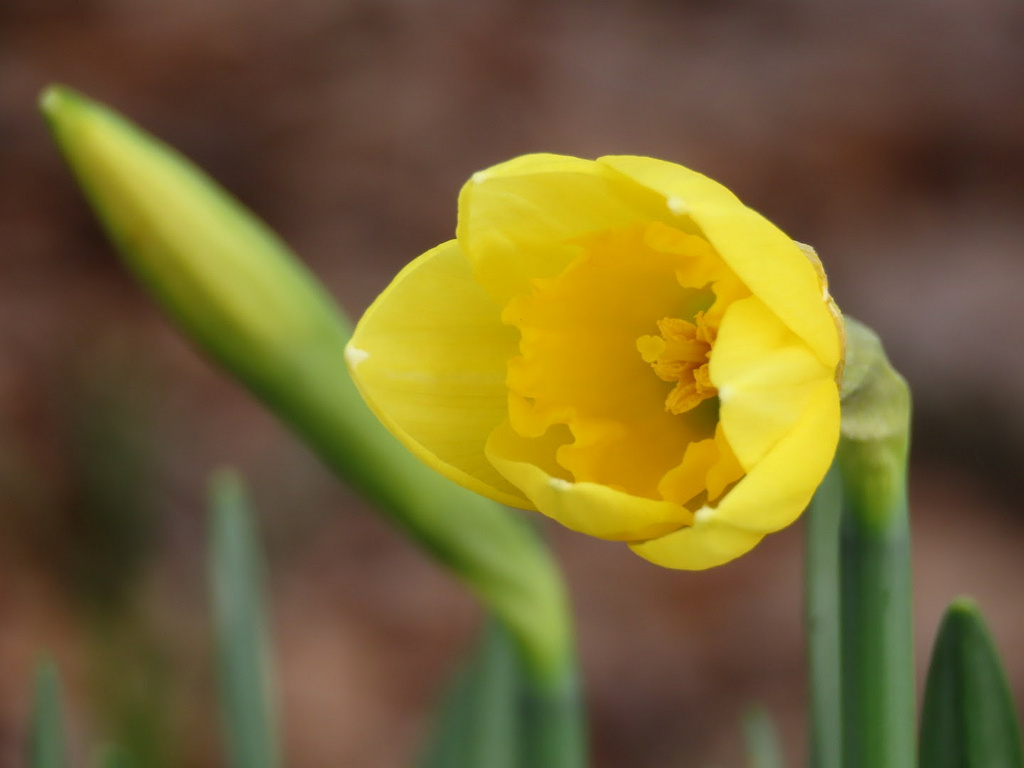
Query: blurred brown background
{"points": [[888, 135]]}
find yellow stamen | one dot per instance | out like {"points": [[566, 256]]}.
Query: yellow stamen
{"points": [[680, 354]]}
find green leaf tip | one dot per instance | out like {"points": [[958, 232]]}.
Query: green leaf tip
{"points": [[968, 719], [480, 720], [762, 738], [228, 280], [52, 99], [964, 606], [67, 111], [57, 101], [226, 487]]}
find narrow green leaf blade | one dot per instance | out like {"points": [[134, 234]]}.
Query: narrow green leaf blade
{"points": [[498, 715], [46, 741], [240, 622], [821, 622], [968, 718], [763, 750], [478, 726], [110, 756]]}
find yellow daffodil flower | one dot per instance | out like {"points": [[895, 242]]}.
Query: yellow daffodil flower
{"points": [[619, 344]]}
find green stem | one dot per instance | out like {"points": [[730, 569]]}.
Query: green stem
{"points": [[878, 692], [553, 725], [877, 630], [821, 621]]}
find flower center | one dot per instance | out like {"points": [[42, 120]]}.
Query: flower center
{"points": [[680, 354]]}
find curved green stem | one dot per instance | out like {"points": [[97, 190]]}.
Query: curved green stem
{"points": [[238, 292]]}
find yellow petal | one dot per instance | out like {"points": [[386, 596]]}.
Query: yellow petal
{"points": [[590, 508], [726, 470], [689, 479], [770, 497], [705, 544], [429, 358], [774, 492], [579, 362], [707, 469], [764, 375], [765, 259], [519, 220]]}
